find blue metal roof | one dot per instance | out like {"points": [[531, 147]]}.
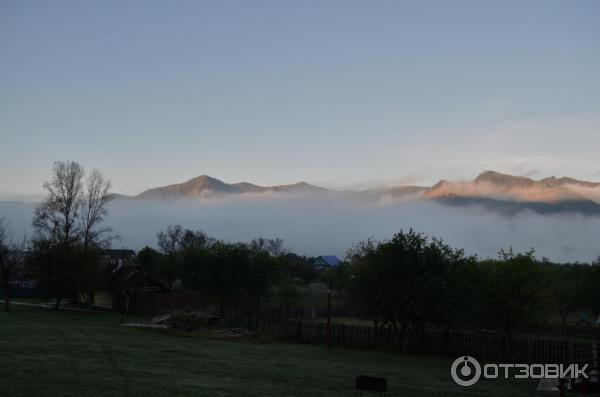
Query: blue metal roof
{"points": [[331, 260]]}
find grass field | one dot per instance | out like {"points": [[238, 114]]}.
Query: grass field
{"points": [[48, 353]]}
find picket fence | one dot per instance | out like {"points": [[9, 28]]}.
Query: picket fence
{"points": [[489, 347]]}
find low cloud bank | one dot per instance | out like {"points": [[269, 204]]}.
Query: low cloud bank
{"points": [[534, 193], [328, 225]]}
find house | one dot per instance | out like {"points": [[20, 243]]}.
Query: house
{"points": [[114, 260], [117, 258], [135, 291], [326, 261]]}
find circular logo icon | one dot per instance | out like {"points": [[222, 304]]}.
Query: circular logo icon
{"points": [[465, 371]]}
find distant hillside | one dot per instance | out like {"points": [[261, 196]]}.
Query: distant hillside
{"points": [[502, 193], [206, 186], [508, 194]]}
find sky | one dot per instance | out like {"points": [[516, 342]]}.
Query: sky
{"points": [[338, 93]]}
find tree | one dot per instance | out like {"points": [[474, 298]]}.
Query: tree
{"points": [[195, 239], [171, 240], [298, 268], [94, 209], [68, 229], [176, 245], [239, 275], [338, 278], [273, 247], [591, 292], [404, 281], [11, 260], [512, 291], [171, 244], [55, 268], [56, 218], [262, 273], [567, 285], [149, 260]]}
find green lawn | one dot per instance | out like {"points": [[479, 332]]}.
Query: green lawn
{"points": [[47, 353]]}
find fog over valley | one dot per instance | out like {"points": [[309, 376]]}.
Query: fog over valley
{"points": [[324, 224]]}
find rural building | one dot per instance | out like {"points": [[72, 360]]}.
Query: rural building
{"points": [[114, 260], [325, 261]]}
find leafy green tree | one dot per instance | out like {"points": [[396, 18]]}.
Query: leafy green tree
{"points": [[513, 291], [591, 292], [338, 278], [263, 272], [288, 294], [566, 284], [404, 281], [298, 268]]}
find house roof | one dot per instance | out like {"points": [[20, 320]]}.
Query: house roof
{"points": [[331, 260], [128, 278], [119, 253]]}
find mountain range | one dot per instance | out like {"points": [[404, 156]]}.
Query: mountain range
{"points": [[503, 193], [206, 186]]}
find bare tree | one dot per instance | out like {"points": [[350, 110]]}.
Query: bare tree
{"points": [[11, 260], [276, 247], [69, 227], [273, 247], [170, 241], [94, 236], [195, 239], [4, 252], [4, 232], [94, 209], [56, 217]]}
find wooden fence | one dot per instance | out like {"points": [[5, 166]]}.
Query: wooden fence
{"points": [[482, 346], [568, 331], [582, 331]]}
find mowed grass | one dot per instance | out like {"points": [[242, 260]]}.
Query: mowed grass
{"points": [[48, 353]]}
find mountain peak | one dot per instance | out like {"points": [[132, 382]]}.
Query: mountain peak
{"points": [[203, 177], [299, 187], [207, 186], [565, 180], [199, 185], [504, 180]]}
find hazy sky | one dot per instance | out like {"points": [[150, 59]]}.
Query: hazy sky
{"points": [[332, 92]]}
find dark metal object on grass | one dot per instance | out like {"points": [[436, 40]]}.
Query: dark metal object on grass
{"points": [[371, 383]]}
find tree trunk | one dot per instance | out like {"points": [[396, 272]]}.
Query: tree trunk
{"points": [[57, 305], [91, 297], [222, 305], [6, 297]]}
